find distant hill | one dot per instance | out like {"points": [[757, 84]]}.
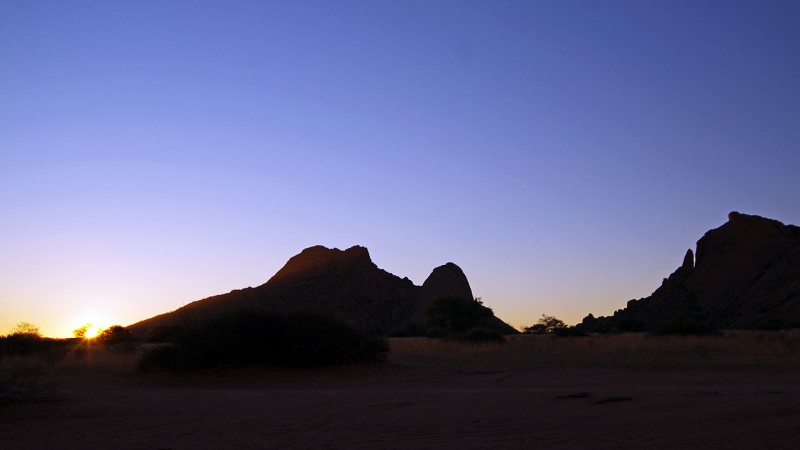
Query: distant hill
{"points": [[345, 283], [746, 275]]}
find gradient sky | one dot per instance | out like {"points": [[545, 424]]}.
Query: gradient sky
{"points": [[565, 154]]}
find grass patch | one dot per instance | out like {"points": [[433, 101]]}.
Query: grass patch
{"points": [[478, 335], [757, 350]]}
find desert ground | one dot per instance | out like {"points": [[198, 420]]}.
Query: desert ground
{"points": [[740, 390]]}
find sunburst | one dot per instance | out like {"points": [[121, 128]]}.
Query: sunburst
{"points": [[92, 332]]}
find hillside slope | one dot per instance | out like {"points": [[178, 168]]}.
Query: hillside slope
{"points": [[345, 283]]}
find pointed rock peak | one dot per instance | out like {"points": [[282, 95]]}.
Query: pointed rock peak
{"points": [[318, 260], [688, 260], [449, 280]]}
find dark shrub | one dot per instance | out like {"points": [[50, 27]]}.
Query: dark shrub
{"points": [[545, 325], [570, 332], [24, 339], [536, 328], [320, 340], [117, 338], [684, 328], [776, 324], [260, 338], [411, 330], [21, 344], [437, 332], [631, 326], [457, 314]]}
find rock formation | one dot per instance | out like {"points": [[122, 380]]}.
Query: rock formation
{"points": [[746, 275], [345, 283]]}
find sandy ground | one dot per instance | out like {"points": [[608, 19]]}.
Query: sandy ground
{"points": [[416, 403]]}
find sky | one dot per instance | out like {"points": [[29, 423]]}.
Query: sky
{"points": [[565, 154]]}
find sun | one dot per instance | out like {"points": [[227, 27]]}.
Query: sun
{"points": [[92, 332], [88, 331]]}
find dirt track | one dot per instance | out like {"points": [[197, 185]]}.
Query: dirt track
{"points": [[414, 407]]}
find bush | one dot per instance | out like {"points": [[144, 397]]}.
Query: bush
{"points": [[26, 329], [570, 332], [457, 314], [117, 338], [681, 327], [24, 339], [545, 325], [260, 338], [631, 326], [20, 344]]}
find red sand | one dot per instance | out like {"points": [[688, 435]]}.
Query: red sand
{"points": [[398, 406]]}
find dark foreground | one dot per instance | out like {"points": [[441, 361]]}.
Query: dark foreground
{"points": [[436, 396]]}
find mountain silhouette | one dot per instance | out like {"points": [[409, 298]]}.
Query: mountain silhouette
{"points": [[746, 274], [345, 283]]}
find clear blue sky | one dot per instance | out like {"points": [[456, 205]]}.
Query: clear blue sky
{"points": [[564, 153]]}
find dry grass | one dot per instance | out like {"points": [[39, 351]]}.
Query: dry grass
{"points": [[773, 350], [734, 349], [100, 360], [31, 378], [96, 359]]}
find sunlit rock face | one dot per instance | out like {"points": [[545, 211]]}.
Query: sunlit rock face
{"points": [[345, 283], [746, 274]]}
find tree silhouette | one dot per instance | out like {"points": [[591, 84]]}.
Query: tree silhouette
{"points": [[457, 314], [545, 325], [23, 339], [117, 337], [26, 329], [80, 333]]}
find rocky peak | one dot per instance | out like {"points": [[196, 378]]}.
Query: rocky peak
{"points": [[731, 257], [448, 279], [746, 274], [344, 283], [318, 260], [688, 261]]}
